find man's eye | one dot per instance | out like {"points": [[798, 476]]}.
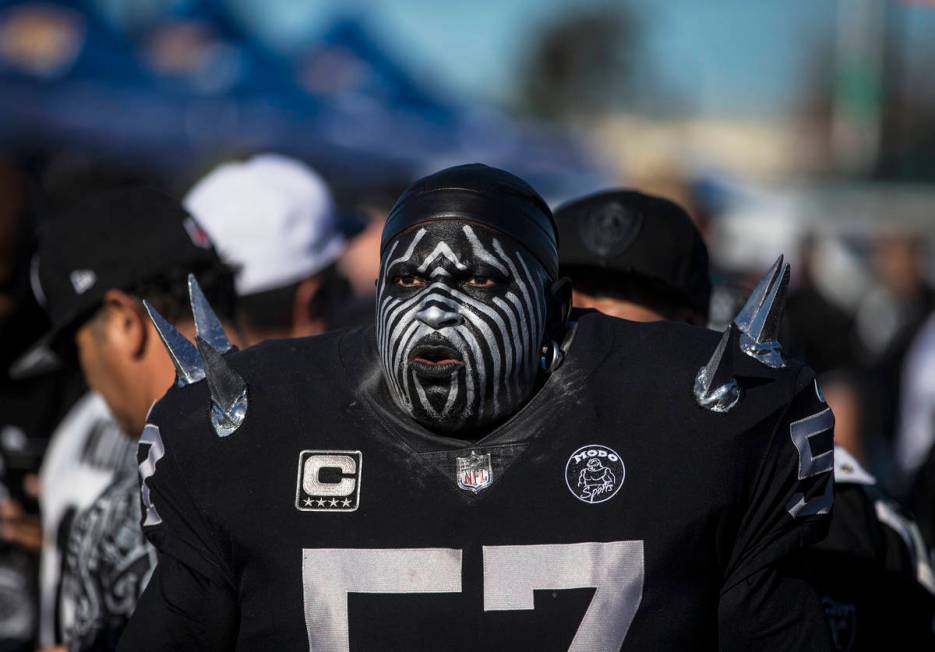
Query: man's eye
{"points": [[481, 282], [409, 281]]}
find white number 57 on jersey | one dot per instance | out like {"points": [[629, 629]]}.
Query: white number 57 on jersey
{"points": [[511, 574]]}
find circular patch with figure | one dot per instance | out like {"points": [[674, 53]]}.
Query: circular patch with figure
{"points": [[594, 473]]}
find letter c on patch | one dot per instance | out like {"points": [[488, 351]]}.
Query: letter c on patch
{"points": [[312, 484]]}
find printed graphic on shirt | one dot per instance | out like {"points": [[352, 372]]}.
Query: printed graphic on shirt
{"points": [[594, 473], [107, 565]]}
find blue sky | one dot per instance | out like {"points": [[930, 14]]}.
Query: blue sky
{"points": [[721, 56]]}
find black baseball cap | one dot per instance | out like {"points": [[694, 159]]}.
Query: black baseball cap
{"points": [[629, 232], [111, 240]]}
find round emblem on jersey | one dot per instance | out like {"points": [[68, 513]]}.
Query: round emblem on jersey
{"points": [[609, 230], [594, 473]]}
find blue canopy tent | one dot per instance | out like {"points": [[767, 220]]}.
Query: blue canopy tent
{"points": [[192, 86]]}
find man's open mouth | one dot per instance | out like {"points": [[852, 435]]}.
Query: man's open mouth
{"points": [[435, 360]]}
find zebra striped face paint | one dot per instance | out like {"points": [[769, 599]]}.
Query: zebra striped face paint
{"points": [[461, 317]]}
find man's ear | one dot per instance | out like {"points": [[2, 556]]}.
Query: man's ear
{"points": [[126, 323], [303, 324], [559, 305]]}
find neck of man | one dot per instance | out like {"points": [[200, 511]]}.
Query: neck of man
{"points": [[158, 370]]}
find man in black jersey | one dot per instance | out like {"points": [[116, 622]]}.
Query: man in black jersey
{"points": [[873, 570], [99, 265], [641, 257], [484, 469]]}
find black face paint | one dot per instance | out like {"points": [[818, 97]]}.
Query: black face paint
{"points": [[461, 317]]}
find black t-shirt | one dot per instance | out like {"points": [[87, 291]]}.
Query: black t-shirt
{"points": [[612, 510]]}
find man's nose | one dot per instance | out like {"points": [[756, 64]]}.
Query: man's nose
{"points": [[439, 317]]}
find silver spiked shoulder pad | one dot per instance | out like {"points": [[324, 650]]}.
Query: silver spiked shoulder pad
{"points": [[715, 389], [761, 315], [207, 325], [228, 391], [754, 332], [188, 365], [205, 360]]}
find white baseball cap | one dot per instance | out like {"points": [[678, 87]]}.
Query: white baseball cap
{"points": [[271, 216]]}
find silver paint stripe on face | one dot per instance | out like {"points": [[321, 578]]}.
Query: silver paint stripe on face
{"points": [[503, 334], [524, 289], [449, 402], [398, 370], [495, 345], [481, 252], [470, 364], [473, 360], [443, 250], [383, 267], [406, 343], [514, 333], [527, 333], [537, 296], [438, 292], [402, 259]]}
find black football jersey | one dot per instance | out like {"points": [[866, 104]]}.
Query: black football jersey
{"points": [[611, 512], [872, 570]]}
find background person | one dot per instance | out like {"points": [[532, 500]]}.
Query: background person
{"points": [[96, 263], [872, 569], [274, 219], [634, 256]]}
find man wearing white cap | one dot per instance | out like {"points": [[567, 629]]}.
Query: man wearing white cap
{"points": [[274, 219]]}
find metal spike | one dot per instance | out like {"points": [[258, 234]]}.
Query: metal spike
{"points": [[745, 317], [189, 368], [715, 389], [207, 325], [228, 391], [760, 341]]}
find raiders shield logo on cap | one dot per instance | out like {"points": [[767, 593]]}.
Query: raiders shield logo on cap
{"points": [[842, 618], [607, 231]]}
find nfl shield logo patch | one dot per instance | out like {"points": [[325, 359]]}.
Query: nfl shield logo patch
{"points": [[474, 472]]}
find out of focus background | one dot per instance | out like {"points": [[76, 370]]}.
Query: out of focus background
{"points": [[798, 127], [806, 128]]}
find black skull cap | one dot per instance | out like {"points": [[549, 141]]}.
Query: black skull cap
{"points": [[484, 195]]}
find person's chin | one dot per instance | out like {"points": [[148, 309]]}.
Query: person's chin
{"points": [[451, 422]]}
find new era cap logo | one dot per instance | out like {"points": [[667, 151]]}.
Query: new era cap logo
{"points": [[198, 235], [82, 280]]}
